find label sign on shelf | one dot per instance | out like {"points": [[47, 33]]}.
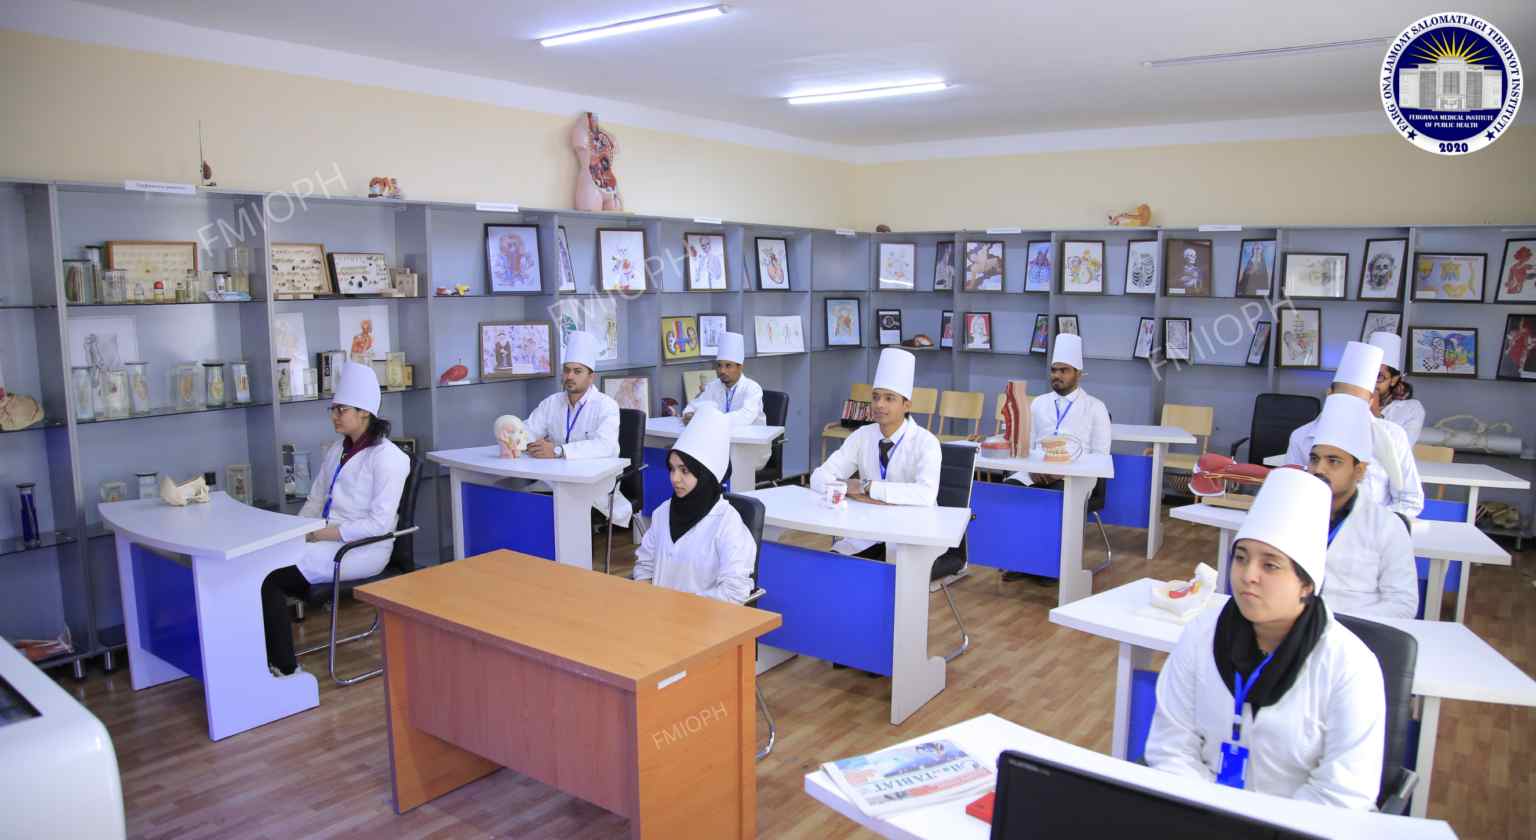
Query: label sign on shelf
{"points": [[705, 220], [495, 207], [1003, 231], [160, 187], [845, 232], [1219, 228]]}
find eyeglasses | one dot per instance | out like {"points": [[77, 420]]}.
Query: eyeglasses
{"points": [[338, 409]]}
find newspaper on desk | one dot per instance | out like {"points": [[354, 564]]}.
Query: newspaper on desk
{"points": [[909, 777]]}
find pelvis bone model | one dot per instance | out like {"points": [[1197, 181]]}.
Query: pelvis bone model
{"points": [[512, 435], [180, 495]]}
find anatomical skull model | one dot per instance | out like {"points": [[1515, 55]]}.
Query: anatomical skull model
{"points": [[512, 435]]}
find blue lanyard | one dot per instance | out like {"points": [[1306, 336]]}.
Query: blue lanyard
{"points": [[1062, 415], [1334, 531], [1234, 756], [891, 454], [326, 513], [729, 392], [570, 422]]}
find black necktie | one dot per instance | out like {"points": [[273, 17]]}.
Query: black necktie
{"points": [[885, 453]]}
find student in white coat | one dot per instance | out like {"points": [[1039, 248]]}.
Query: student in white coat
{"points": [[897, 460], [1067, 410], [357, 492], [580, 421], [697, 542], [733, 392], [1394, 394], [1370, 554], [1270, 693], [1392, 479]]}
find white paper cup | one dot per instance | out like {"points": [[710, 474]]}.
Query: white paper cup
{"points": [[834, 492]]}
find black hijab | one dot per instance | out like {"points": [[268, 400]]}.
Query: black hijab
{"points": [[1237, 651], [687, 510]]}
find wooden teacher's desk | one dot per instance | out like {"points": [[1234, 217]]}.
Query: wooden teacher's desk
{"points": [[507, 660]]}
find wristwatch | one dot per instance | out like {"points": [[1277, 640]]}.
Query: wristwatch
{"points": [[559, 451]]}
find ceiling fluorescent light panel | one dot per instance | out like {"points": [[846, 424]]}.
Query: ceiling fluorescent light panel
{"points": [[632, 26]]}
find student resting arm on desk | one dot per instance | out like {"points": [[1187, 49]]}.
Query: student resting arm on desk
{"points": [[896, 459], [1370, 554], [1308, 692], [580, 421], [697, 542], [357, 491], [1067, 410]]}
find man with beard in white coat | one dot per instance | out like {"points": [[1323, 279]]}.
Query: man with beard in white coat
{"points": [[734, 393], [697, 542], [357, 492], [1394, 396], [1392, 479], [1270, 693], [580, 421], [1370, 554], [897, 460], [1066, 410]]}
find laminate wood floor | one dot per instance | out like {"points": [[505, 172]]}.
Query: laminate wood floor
{"points": [[325, 772]]}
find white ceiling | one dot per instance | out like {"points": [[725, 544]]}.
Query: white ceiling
{"points": [[1018, 67]]}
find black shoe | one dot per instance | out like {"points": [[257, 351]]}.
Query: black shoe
{"points": [[1010, 577]]}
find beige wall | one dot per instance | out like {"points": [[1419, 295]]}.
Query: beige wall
{"points": [[76, 112], [70, 111], [1374, 179]]}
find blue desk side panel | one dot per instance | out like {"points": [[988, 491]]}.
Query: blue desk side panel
{"points": [[498, 518], [1128, 494], [167, 602], [1017, 529], [835, 607], [1444, 511], [657, 485], [1143, 707]]}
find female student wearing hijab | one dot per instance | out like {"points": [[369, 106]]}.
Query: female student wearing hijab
{"points": [[697, 542], [357, 492], [1394, 396], [1270, 693]]}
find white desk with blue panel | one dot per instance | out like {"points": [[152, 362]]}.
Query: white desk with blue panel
{"points": [[986, 737], [1439, 541], [576, 485], [60, 770], [1075, 581], [191, 586], [1453, 663], [749, 444], [914, 538], [1161, 437]]}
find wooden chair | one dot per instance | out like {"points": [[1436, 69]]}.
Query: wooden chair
{"points": [[1195, 419], [1434, 455], [962, 406], [859, 392], [925, 401]]}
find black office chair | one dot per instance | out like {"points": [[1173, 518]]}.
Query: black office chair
{"points": [[402, 560], [754, 514], [1275, 416], [1398, 654], [1096, 501], [630, 482], [776, 410], [957, 467]]}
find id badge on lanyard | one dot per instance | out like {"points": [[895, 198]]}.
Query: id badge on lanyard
{"points": [[1234, 752]]}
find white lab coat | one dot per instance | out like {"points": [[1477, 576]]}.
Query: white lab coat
{"points": [[1370, 565], [1085, 418], [1396, 487], [594, 434], [365, 503], [911, 478], [746, 402], [1322, 742], [713, 559], [1410, 415]]}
